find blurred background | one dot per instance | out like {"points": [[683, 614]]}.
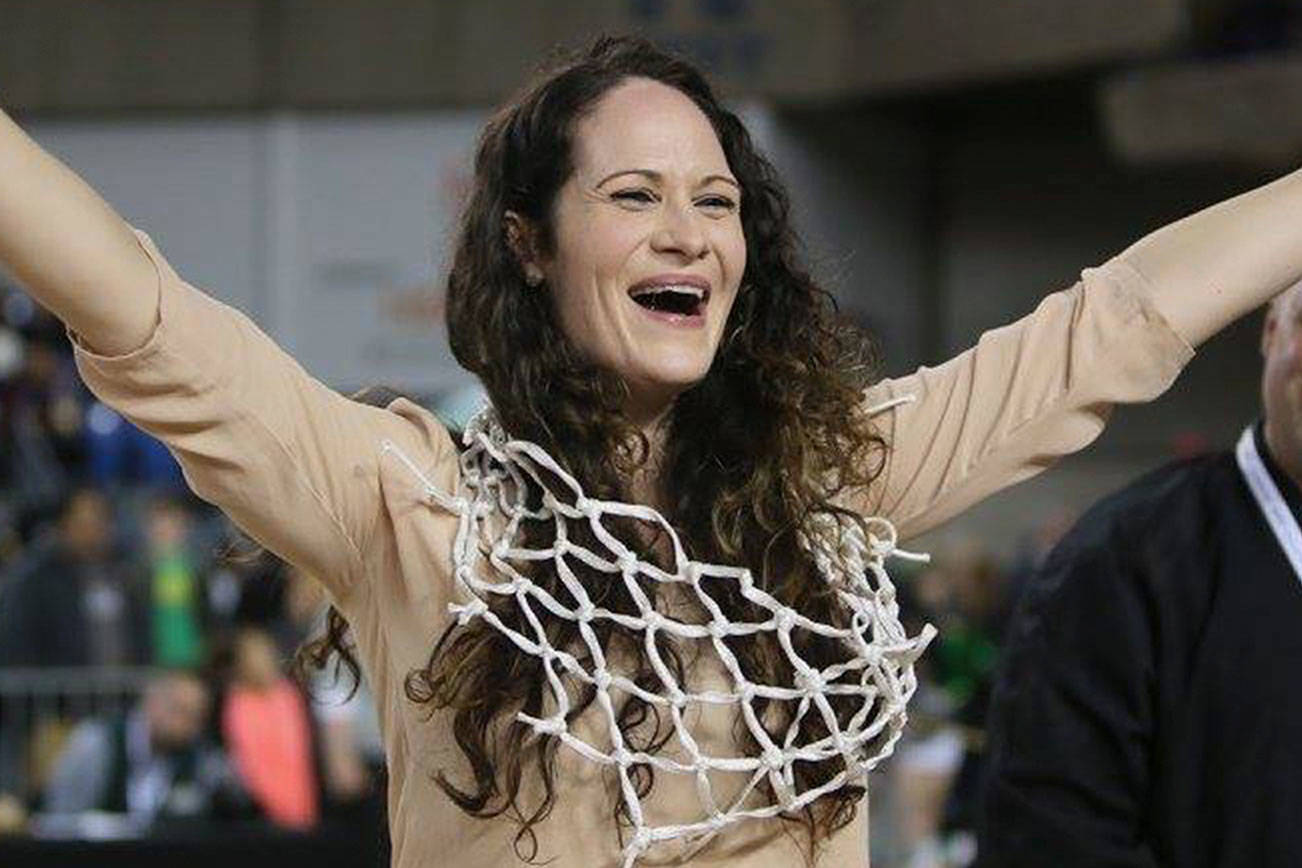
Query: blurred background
{"points": [[951, 161]]}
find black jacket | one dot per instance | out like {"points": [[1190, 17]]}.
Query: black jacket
{"points": [[1149, 710], [45, 613]]}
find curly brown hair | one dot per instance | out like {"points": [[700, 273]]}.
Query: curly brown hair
{"points": [[773, 435]]}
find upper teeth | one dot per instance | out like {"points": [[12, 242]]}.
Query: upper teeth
{"points": [[694, 291]]}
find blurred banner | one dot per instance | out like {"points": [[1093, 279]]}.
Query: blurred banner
{"points": [[127, 54], [329, 229], [1245, 109]]}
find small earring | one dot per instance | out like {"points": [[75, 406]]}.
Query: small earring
{"points": [[532, 277]]}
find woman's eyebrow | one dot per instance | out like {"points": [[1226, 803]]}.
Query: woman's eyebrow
{"points": [[653, 175]]}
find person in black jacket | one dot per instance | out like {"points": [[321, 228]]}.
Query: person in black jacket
{"points": [[1148, 712], [72, 599]]}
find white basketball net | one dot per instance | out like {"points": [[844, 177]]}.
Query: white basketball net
{"points": [[877, 673]]}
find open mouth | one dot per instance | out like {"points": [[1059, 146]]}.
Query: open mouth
{"points": [[676, 299]]}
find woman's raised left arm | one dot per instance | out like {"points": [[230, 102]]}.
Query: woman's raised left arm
{"points": [[1207, 270], [1043, 387]]}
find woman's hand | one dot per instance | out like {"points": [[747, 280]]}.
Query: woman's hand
{"points": [[70, 250]]}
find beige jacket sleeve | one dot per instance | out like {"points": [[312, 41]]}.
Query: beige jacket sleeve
{"points": [[1024, 396], [294, 463]]}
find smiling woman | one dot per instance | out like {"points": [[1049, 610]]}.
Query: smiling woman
{"points": [[640, 613]]}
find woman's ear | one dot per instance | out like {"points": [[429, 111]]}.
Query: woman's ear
{"points": [[522, 238]]}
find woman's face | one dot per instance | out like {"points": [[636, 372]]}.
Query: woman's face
{"points": [[649, 250]]}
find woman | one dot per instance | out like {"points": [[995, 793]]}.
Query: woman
{"points": [[626, 286]]}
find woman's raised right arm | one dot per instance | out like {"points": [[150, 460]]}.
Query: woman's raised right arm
{"points": [[293, 462], [70, 250]]}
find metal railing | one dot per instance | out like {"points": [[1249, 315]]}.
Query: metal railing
{"points": [[39, 705]]}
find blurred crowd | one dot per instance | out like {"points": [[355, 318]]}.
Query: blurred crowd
{"points": [[146, 650]]}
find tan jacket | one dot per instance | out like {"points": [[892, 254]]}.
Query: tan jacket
{"points": [[301, 469]]}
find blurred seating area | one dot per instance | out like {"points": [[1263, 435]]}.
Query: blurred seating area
{"points": [[146, 700]]}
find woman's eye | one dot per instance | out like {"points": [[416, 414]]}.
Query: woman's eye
{"points": [[722, 203], [639, 196]]}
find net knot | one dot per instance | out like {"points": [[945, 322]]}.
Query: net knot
{"points": [[882, 535], [468, 611], [549, 726], [810, 682], [457, 505], [641, 840], [774, 759]]}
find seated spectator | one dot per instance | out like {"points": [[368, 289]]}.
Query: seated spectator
{"points": [[70, 601], [352, 753], [175, 593], [42, 405], [267, 731], [151, 762]]}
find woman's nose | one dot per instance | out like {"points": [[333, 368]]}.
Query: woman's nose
{"points": [[680, 233]]}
